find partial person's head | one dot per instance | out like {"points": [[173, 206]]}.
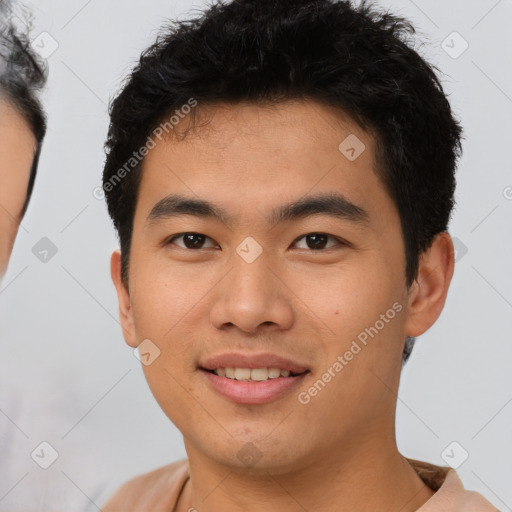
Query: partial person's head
{"points": [[290, 118], [22, 127]]}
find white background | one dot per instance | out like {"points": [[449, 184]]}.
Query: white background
{"points": [[66, 376]]}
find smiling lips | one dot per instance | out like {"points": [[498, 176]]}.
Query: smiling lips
{"points": [[254, 374], [252, 361], [252, 379]]}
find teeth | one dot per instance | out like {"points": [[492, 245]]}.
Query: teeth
{"points": [[242, 373], [273, 373], [259, 374], [256, 374]]}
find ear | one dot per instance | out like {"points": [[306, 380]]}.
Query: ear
{"points": [[427, 294], [123, 297]]}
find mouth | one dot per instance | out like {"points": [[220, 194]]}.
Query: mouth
{"points": [[255, 385], [253, 374], [252, 378]]}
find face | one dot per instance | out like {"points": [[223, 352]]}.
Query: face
{"points": [[17, 148], [318, 288]]}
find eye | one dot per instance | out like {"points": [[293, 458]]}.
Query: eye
{"points": [[190, 240], [313, 241], [318, 241]]}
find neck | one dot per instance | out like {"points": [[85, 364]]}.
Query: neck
{"points": [[373, 476]]}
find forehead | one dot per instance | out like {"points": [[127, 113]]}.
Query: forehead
{"points": [[17, 146], [10, 116], [294, 120], [253, 157]]}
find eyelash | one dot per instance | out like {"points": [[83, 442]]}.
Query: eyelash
{"points": [[339, 241]]}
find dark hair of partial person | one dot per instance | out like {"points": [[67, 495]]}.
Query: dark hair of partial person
{"points": [[22, 75], [358, 60]]}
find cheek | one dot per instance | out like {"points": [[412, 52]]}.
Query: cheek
{"points": [[364, 308], [7, 235], [168, 308], [161, 307], [347, 296], [162, 299], [363, 353]]}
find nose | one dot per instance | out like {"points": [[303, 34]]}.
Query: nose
{"points": [[252, 295]]}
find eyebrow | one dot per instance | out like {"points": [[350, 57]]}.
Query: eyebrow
{"points": [[333, 204]]}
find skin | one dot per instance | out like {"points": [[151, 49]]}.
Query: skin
{"points": [[17, 149], [338, 452]]}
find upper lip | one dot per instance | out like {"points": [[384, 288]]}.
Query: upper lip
{"points": [[264, 360]]}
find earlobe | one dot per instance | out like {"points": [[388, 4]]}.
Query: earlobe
{"points": [[428, 293], [123, 297]]}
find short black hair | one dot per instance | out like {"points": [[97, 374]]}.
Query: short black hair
{"points": [[22, 75], [358, 60]]}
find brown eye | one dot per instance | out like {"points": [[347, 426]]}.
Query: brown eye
{"points": [[317, 241], [190, 240]]}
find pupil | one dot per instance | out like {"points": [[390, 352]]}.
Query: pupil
{"points": [[191, 243], [319, 241]]}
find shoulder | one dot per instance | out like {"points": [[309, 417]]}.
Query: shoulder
{"points": [[450, 494], [157, 490], [454, 493]]}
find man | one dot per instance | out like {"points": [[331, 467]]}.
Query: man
{"points": [[22, 128], [281, 177]]}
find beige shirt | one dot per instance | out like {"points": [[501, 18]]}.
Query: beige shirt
{"points": [[159, 490]]}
